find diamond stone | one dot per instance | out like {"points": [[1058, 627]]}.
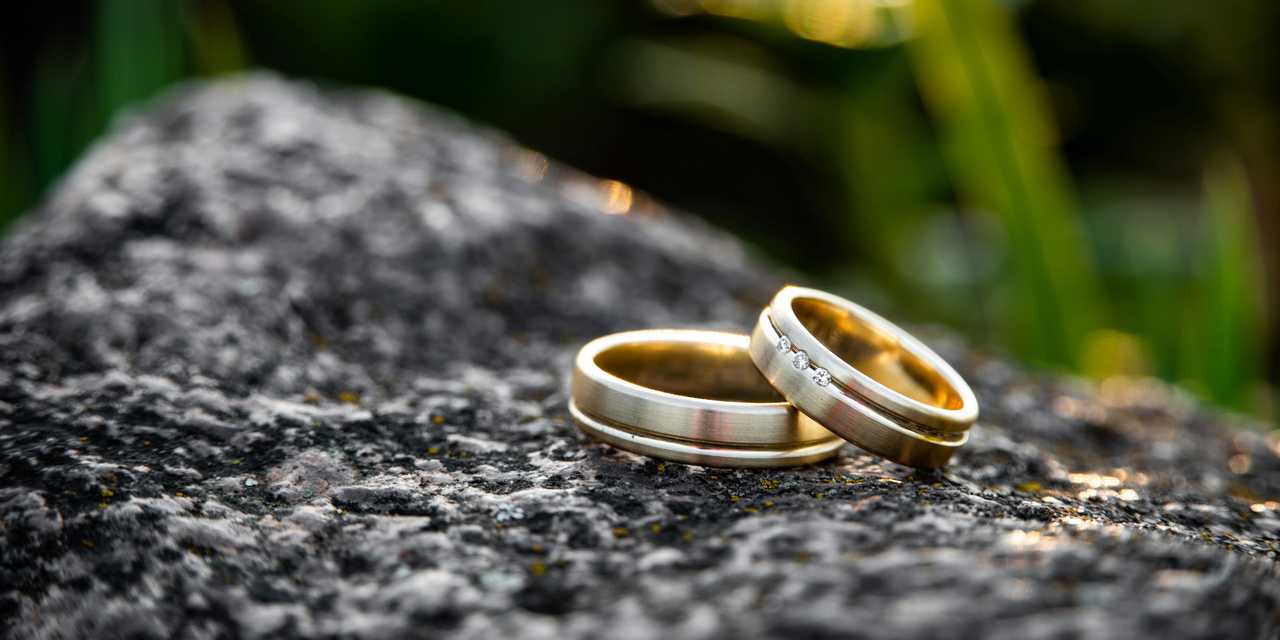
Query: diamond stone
{"points": [[821, 377], [784, 344], [800, 360]]}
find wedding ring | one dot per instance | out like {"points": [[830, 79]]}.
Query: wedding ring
{"points": [[862, 377], [690, 396]]}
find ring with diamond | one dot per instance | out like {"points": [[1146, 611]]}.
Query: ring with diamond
{"points": [[862, 377], [690, 396]]}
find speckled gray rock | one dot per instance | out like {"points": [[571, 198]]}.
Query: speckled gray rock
{"points": [[277, 362]]}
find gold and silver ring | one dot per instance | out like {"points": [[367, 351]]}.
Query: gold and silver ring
{"points": [[863, 377], [690, 396]]}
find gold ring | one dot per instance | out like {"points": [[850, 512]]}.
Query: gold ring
{"points": [[690, 396], [862, 377]]}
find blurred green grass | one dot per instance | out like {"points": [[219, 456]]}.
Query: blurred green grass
{"points": [[916, 140], [1000, 143], [1224, 352]]}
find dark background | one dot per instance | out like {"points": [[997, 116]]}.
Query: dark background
{"points": [[1091, 185]]}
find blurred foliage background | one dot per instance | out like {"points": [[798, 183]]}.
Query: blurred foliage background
{"points": [[1092, 185]]}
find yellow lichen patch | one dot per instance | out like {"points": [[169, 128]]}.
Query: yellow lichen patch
{"points": [[620, 532], [734, 498], [769, 483], [538, 568], [433, 450], [1244, 493], [687, 536], [437, 419], [768, 504], [655, 528], [107, 493], [311, 397], [1028, 487], [662, 468], [349, 397], [84, 439], [617, 197]]}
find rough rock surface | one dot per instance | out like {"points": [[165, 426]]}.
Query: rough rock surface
{"points": [[276, 362]]}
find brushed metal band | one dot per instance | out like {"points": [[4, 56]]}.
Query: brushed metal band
{"points": [[705, 455], [843, 413], [690, 396]]}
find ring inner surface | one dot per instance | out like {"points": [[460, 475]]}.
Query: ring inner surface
{"points": [[875, 352], [707, 371]]}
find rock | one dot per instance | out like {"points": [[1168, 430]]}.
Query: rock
{"points": [[280, 362]]}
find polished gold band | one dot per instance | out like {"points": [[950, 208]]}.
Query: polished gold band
{"points": [[862, 377], [690, 396]]}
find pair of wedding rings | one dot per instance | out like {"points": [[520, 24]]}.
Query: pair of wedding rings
{"points": [[817, 371]]}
